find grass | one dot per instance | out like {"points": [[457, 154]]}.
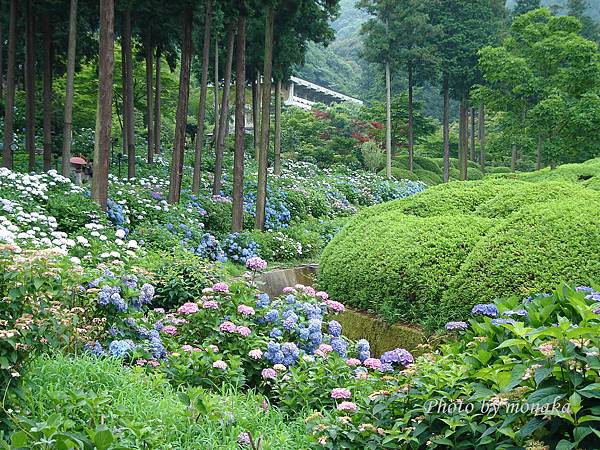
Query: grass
{"points": [[144, 411]]}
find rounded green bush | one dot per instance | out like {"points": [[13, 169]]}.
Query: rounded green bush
{"points": [[400, 264], [401, 162], [499, 169], [474, 173], [533, 250], [427, 177], [429, 164], [401, 174]]}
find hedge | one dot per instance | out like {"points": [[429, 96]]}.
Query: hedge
{"points": [[460, 243]]}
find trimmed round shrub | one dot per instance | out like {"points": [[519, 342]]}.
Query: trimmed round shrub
{"points": [[399, 265], [499, 169], [429, 164], [533, 250], [474, 173], [401, 174], [427, 177], [401, 162]]}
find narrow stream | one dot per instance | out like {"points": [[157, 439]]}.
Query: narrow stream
{"points": [[355, 324]]}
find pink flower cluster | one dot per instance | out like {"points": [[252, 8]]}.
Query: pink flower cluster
{"points": [[353, 362], [170, 329], [336, 306], [210, 304], [189, 348], [338, 393], [246, 310], [243, 331], [151, 363], [322, 295], [227, 327], [268, 373], [220, 364], [324, 350], [255, 353], [221, 287], [188, 308], [372, 363], [255, 263], [347, 406]]}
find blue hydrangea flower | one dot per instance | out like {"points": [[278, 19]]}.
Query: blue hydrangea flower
{"points": [[263, 301], [501, 321], [518, 312], [334, 328], [488, 309], [340, 346], [276, 333], [397, 356], [272, 315], [120, 348]]}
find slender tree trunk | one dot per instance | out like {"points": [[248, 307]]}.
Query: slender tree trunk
{"points": [[255, 118], [388, 121], [482, 138], [128, 114], [9, 111], [513, 158], [223, 119], [464, 145], [124, 134], [203, 93], [258, 115], [261, 197], [539, 150], [410, 120], [277, 160], [237, 220], [216, 89], [157, 106], [30, 84], [1, 60], [104, 111], [182, 107], [473, 148], [446, 130], [47, 93], [149, 100], [68, 118]]}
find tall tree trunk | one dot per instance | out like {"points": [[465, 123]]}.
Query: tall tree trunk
{"points": [[256, 116], [149, 100], [157, 94], [1, 60], [30, 84], [261, 197], [482, 138], [464, 145], [277, 146], [473, 148], [70, 90], [446, 129], [9, 106], [128, 114], [216, 89], [182, 107], [47, 92], [410, 120], [237, 219], [224, 117], [539, 150], [388, 121], [513, 158], [104, 111], [203, 93]]}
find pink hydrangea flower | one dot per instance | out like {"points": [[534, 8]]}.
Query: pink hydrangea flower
{"points": [[326, 348], [255, 353], [228, 327], [347, 406], [268, 373], [210, 304], [220, 364], [372, 363], [153, 363], [322, 295], [243, 331], [141, 362], [243, 438], [336, 306], [188, 308], [159, 310], [177, 321], [221, 287], [353, 362], [169, 329], [187, 348], [255, 263], [546, 349], [246, 310], [289, 290], [338, 393]]}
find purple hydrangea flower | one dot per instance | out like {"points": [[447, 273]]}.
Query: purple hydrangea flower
{"points": [[486, 309], [334, 328], [397, 356], [501, 321], [450, 326]]}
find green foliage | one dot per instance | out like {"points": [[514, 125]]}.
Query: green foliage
{"points": [[73, 211], [372, 155], [463, 243]]}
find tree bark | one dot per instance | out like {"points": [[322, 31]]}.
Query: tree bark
{"points": [[9, 111], [224, 117], [446, 130], [70, 79], [149, 100], [473, 148], [482, 138], [30, 84], [203, 93], [1, 61], [182, 107], [157, 94], [277, 145], [47, 93], [104, 111], [464, 145], [513, 158], [237, 220], [388, 120], [255, 117], [261, 197], [410, 120], [128, 115], [539, 150], [216, 89]]}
